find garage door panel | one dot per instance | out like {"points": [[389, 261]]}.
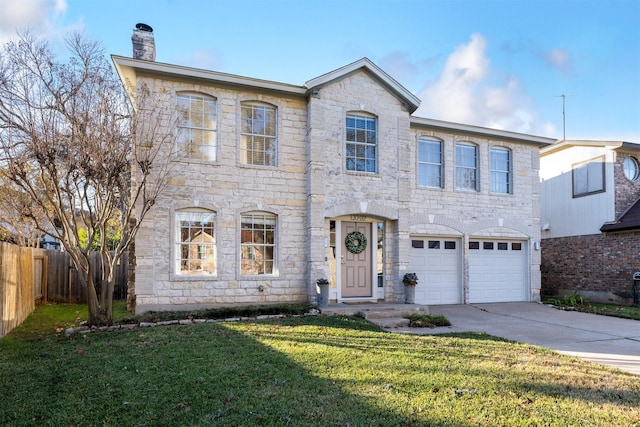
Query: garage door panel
{"points": [[497, 275], [438, 271]]}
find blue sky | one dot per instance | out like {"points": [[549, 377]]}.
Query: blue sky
{"points": [[500, 64]]}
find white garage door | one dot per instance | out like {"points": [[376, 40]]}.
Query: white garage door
{"points": [[436, 260], [497, 271]]}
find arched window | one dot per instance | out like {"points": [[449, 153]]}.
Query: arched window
{"points": [[195, 241], [197, 124], [258, 144], [466, 166], [501, 176], [429, 163], [257, 243]]}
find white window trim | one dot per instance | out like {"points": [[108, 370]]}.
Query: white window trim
{"points": [[368, 116], [181, 157], [476, 167], [440, 164], [241, 134], [508, 172]]}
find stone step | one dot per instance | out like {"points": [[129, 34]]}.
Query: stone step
{"points": [[396, 312], [391, 322]]}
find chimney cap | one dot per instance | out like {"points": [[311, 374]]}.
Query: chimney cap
{"points": [[144, 27]]}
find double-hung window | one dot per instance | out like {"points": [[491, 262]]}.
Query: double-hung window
{"points": [[501, 176], [195, 242], [362, 143], [429, 163], [466, 167], [197, 123], [259, 134], [258, 243], [588, 177]]}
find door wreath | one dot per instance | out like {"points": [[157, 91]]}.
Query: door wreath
{"points": [[356, 242]]}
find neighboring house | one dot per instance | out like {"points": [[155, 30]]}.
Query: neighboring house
{"points": [[332, 179], [590, 218]]}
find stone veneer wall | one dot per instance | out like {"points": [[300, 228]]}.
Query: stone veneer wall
{"points": [[595, 265]]}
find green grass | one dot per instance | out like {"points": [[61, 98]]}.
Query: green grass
{"points": [[313, 371], [427, 321], [580, 303]]}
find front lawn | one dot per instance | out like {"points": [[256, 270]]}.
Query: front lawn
{"points": [[579, 303], [312, 371]]}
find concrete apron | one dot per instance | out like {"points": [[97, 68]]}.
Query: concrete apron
{"points": [[606, 340]]}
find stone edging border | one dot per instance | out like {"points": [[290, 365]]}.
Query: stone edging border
{"points": [[84, 329]]}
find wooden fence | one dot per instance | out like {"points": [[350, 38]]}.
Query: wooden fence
{"points": [[29, 276]]}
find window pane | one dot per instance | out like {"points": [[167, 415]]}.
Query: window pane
{"points": [[196, 245], [588, 177], [197, 118], [258, 141], [258, 234], [361, 136], [500, 170], [466, 167], [429, 163]]}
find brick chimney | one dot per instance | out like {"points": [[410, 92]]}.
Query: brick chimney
{"points": [[144, 45]]}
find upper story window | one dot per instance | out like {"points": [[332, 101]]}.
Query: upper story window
{"points": [[258, 243], [259, 135], [466, 167], [631, 169], [501, 176], [588, 177], [195, 242], [197, 127], [429, 163], [362, 142]]}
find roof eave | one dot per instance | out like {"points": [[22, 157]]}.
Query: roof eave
{"points": [[479, 130], [160, 68]]}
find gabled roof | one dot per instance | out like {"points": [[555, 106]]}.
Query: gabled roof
{"points": [[628, 221], [412, 102]]}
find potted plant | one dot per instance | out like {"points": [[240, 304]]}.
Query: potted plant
{"points": [[323, 295], [410, 280]]}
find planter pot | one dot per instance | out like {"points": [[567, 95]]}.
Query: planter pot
{"points": [[409, 294], [323, 295]]}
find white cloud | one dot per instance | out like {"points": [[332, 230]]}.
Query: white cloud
{"points": [[465, 92], [560, 59], [39, 16]]}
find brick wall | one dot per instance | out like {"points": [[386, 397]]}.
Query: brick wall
{"points": [[602, 263], [627, 191]]}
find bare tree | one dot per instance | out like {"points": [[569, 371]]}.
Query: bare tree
{"points": [[20, 219], [67, 135]]}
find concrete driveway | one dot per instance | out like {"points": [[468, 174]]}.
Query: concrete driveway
{"points": [[601, 339]]}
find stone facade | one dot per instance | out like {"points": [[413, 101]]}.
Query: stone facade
{"points": [[310, 190]]}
